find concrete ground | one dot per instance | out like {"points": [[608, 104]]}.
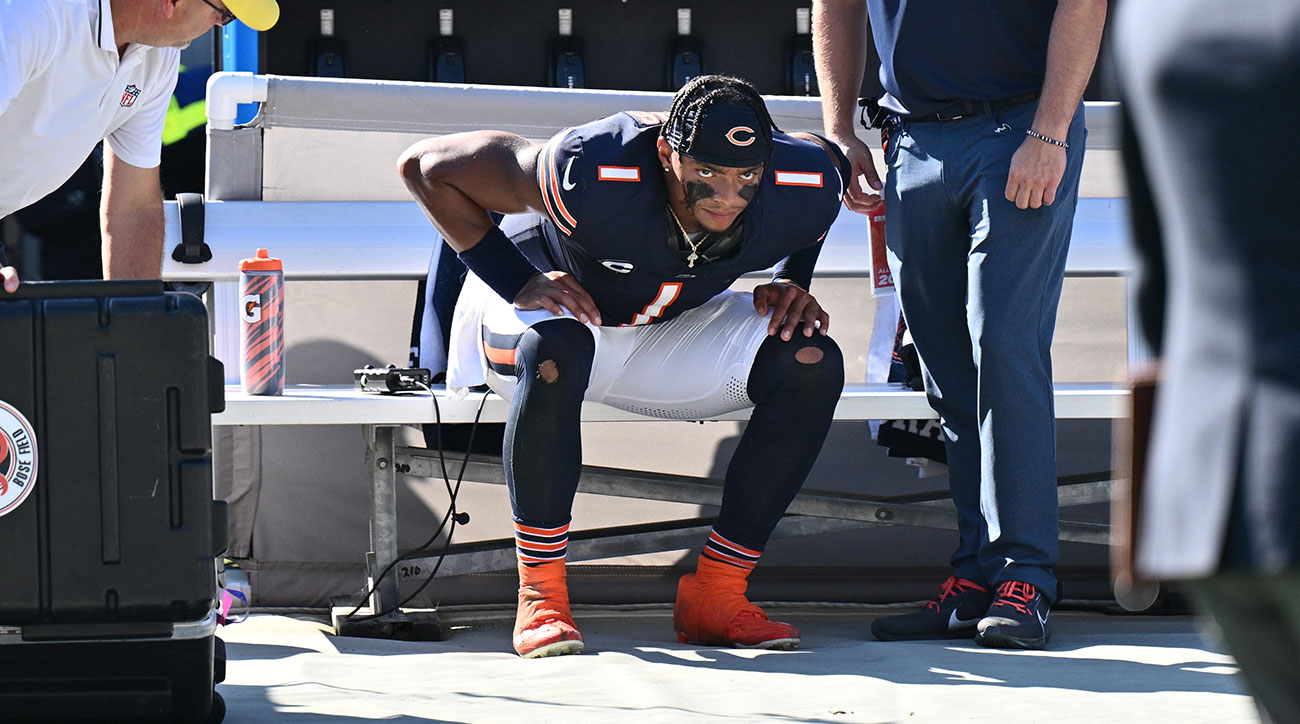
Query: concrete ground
{"points": [[1097, 668]]}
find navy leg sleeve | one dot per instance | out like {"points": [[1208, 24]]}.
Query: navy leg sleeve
{"points": [[795, 386], [543, 448]]}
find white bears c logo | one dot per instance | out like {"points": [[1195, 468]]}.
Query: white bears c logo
{"points": [[17, 458], [252, 308], [734, 135]]}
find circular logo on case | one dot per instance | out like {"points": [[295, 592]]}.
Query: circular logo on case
{"points": [[17, 458]]}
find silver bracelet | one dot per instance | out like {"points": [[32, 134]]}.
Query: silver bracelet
{"points": [[1047, 139]]}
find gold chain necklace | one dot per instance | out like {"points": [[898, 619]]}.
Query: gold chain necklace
{"points": [[695, 246]]}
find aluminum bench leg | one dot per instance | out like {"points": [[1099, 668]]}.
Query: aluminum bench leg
{"points": [[384, 593]]}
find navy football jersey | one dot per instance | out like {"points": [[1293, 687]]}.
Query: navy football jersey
{"points": [[607, 218]]}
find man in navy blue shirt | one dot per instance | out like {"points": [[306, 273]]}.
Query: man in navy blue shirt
{"points": [[983, 127], [608, 281]]}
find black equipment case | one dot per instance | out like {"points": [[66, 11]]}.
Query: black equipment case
{"points": [[109, 534]]}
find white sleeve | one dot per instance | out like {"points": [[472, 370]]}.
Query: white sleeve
{"points": [[28, 36], [139, 140]]}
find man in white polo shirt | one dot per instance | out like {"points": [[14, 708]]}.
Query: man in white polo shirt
{"points": [[75, 72]]}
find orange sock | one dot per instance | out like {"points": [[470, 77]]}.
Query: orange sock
{"points": [[712, 610], [543, 624]]}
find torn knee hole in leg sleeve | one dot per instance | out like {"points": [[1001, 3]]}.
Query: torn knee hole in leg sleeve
{"points": [[547, 371], [808, 355]]}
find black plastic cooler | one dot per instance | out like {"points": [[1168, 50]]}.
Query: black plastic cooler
{"points": [[109, 534]]}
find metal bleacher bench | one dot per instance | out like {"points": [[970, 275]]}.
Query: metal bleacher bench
{"points": [[393, 241]]}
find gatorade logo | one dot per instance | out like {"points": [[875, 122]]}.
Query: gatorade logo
{"points": [[17, 458], [738, 136], [252, 308]]}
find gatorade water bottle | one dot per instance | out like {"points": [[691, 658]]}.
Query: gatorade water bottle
{"points": [[261, 338]]}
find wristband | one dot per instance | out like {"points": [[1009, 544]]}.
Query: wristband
{"points": [[1046, 139], [498, 262]]}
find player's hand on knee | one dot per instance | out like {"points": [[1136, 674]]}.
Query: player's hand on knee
{"points": [[557, 292], [792, 308], [9, 276]]}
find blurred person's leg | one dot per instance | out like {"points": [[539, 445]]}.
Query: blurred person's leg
{"points": [[1259, 618]]}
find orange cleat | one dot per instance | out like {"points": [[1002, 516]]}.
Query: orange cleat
{"points": [[712, 610], [543, 625]]}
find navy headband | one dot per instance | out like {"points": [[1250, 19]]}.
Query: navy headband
{"points": [[724, 134]]}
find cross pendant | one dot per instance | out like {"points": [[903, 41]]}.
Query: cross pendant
{"points": [[690, 260]]}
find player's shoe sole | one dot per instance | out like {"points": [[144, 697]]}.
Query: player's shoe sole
{"points": [[559, 648], [551, 638]]}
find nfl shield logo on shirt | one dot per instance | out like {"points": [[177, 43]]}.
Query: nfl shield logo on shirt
{"points": [[129, 95]]}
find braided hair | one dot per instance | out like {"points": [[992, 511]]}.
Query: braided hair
{"points": [[702, 92]]}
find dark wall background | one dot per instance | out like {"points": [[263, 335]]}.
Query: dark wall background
{"points": [[626, 43]]}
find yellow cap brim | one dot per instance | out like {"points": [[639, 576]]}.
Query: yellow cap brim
{"points": [[256, 14]]}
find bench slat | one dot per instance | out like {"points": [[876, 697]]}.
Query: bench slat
{"points": [[343, 405]]}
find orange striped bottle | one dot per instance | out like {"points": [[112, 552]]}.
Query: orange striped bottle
{"points": [[261, 338]]}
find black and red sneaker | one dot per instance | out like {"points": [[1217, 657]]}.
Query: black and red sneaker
{"points": [[1016, 620], [953, 614]]}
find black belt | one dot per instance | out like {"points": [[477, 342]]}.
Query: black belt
{"points": [[965, 108]]}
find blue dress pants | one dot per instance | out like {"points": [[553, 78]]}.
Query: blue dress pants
{"points": [[979, 283]]}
